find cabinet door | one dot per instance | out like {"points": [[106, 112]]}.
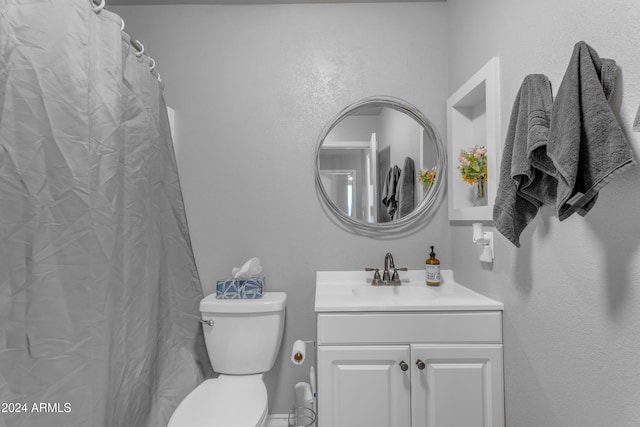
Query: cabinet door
{"points": [[459, 385], [364, 386]]}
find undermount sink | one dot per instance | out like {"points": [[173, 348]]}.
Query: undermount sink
{"points": [[393, 293], [338, 291]]}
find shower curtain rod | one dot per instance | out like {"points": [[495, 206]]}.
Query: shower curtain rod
{"points": [[97, 6]]}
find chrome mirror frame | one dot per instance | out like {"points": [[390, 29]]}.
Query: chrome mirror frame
{"points": [[384, 229]]}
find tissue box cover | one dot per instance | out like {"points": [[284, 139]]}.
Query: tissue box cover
{"points": [[239, 288]]}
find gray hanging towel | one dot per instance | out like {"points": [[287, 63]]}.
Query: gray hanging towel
{"points": [[385, 188], [586, 143], [389, 191], [636, 122], [527, 175], [407, 190]]}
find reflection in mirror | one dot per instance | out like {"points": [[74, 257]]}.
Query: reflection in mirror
{"points": [[339, 185], [370, 159]]}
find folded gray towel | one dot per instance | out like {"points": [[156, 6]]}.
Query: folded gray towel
{"points": [[406, 194], [586, 143], [527, 175]]}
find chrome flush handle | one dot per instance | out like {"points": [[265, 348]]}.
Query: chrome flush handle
{"points": [[206, 322]]}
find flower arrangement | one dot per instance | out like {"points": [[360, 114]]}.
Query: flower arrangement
{"points": [[473, 164], [427, 177]]}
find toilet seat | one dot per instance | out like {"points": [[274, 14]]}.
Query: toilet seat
{"points": [[226, 401]]}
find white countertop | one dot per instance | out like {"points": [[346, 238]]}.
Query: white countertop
{"points": [[338, 291]]}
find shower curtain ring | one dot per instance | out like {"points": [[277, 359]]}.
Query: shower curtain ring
{"points": [[121, 24], [152, 64], [99, 7], [139, 51]]}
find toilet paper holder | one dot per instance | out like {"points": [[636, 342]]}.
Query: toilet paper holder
{"points": [[298, 352]]}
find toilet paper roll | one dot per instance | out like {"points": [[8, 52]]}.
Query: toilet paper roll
{"points": [[298, 352]]}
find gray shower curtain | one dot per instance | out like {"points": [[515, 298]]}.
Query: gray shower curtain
{"points": [[99, 291]]}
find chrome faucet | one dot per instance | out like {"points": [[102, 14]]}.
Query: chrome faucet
{"points": [[388, 262], [387, 279]]}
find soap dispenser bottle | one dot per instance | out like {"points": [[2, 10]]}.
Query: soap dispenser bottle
{"points": [[432, 267]]}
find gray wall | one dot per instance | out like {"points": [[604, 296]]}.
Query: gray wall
{"points": [[571, 294], [252, 87]]}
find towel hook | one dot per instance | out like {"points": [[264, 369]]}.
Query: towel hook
{"points": [[99, 7]]}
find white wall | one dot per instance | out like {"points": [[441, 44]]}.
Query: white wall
{"points": [[571, 292], [252, 87], [402, 133]]}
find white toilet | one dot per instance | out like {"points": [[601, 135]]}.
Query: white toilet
{"points": [[243, 342]]}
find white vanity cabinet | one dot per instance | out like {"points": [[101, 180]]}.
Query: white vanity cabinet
{"points": [[363, 386], [410, 369], [460, 385]]}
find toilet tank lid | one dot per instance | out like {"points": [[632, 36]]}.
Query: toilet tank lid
{"points": [[270, 301]]}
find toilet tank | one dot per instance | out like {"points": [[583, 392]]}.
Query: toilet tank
{"points": [[245, 335]]}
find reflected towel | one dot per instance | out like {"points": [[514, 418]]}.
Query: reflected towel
{"points": [[390, 189], [385, 188], [527, 175], [586, 143], [406, 194]]}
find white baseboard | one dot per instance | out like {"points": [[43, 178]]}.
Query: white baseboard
{"points": [[278, 420]]}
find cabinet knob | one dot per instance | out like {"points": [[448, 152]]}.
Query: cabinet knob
{"points": [[403, 365], [420, 364]]}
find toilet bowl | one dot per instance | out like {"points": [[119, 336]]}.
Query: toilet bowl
{"points": [[227, 401], [243, 338]]}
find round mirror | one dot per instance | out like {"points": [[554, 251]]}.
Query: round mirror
{"points": [[380, 164]]}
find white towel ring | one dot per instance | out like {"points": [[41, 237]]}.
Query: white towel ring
{"points": [[152, 64], [99, 7], [138, 53], [121, 24]]}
